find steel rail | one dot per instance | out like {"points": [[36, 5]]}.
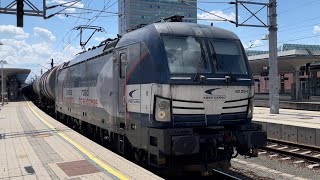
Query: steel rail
{"points": [[304, 146], [286, 151]]}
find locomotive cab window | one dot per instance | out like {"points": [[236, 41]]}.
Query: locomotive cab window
{"points": [[228, 57], [186, 55], [123, 64]]}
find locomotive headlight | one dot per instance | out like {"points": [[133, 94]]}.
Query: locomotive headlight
{"points": [[163, 105], [162, 110], [162, 115]]}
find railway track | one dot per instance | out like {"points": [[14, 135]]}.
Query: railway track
{"points": [[298, 153]]}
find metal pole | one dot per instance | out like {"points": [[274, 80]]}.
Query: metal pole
{"points": [[273, 59], [2, 82], [237, 20], [1, 77]]}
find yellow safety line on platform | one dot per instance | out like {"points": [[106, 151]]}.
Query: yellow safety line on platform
{"points": [[83, 150]]}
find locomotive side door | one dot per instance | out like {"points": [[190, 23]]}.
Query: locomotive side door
{"points": [[122, 62]]}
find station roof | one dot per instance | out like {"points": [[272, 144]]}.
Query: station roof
{"points": [[20, 73], [290, 57]]}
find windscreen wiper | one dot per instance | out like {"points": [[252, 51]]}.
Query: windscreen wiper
{"points": [[199, 64], [231, 75]]}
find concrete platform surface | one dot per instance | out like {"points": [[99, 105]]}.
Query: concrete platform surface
{"points": [[35, 146], [298, 126], [302, 105]]}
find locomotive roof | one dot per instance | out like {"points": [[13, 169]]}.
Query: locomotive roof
{"points": [[91, 53], [193, 29], [86, 55], [180, 28]]}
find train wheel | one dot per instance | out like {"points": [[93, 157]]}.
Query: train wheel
{"points": [[90, 131], [140, 156], [104, 137], [95, 134], [76, 124]]}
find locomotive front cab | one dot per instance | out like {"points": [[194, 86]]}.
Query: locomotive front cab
{"points": [[193, 95], [213, 75]]}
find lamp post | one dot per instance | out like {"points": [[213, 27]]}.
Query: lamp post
{"points": [[1, 77], [2, 83]]}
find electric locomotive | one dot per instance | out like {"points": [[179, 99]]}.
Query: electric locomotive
{"points": [[172, 95]]}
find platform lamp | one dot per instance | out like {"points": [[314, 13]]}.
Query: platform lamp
{"points": [[1, 77], [1, 45], [2, 83]]}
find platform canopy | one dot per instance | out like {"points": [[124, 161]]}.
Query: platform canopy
{"points": [[19, 73], [290, 58]]}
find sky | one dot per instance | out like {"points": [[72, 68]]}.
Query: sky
{"points": [[41, 40]]}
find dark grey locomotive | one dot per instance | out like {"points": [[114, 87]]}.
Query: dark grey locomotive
{"points": [[173, 95]]}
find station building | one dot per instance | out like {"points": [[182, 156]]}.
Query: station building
{"points": [[136, 12], [298, 67]]}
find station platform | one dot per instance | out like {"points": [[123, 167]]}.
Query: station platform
{"points": [[296, 126], [35, 146], [287, 104]]}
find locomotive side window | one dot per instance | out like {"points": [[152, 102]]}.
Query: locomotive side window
{"points": [[123, 64]]}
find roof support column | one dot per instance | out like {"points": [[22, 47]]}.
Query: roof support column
{"points": [[297, 82]]}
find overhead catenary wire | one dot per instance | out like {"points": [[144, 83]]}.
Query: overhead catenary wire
{"points": [[212, 2], [302, 5], [71, 4], [105, 7], [94, 10], [70, 15], [283, 29], [291, 40], [225, 19], [70, 31]]}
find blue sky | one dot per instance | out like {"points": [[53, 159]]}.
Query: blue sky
{"points": [[40, 39]]}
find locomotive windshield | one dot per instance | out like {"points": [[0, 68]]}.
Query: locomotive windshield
{"points": [[184, 54], [228, 57], [188, 55]]}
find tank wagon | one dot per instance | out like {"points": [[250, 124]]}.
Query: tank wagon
{"points": [[172, 95], [44, 89]]}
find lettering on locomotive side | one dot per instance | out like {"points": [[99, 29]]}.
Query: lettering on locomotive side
{"points": [[68, 92], [88, 102], [241, 91], [85, 92], [134, 101], [216, 97], [68, 99]]}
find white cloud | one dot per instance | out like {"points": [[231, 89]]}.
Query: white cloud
{"points": [[76, 5], [257, 43], [44, 34], [316, 29], [211, 18], [254, 44], [20, 54], [99, 39], [71, 9], [13, 31]]}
